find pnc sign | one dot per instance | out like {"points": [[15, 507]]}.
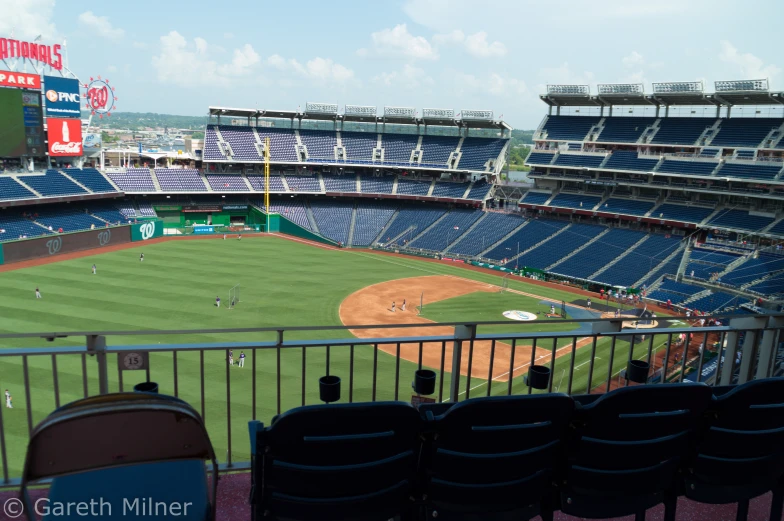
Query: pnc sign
{"points": [[48, 55], [62, 97]]}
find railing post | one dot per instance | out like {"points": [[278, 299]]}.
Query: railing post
{"points": [[737, 325], [462, 332], [767, 348], [96, 345]]}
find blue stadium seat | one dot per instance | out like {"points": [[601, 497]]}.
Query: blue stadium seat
{"points": [[319, 143], [626, 206], [569, 128], [437, 149], [536, 197], [333, 219], [370, 184], [491, 229], [371, 219], [744, 132], [496, 458], [226, 182], [750, 170], [257, 182], [678, 212], [92, 179], [540, 158], [10, 189], [579, 160], [609, 247], [681, 131], [623, 160], [628, 447], [352, 462], [740, 219], [359, 145], [577, 201], [449, 190], [554, 250], [623, 129], [449, 229], [411, 187], [697, 168], [133, 180], [643, 259], [180, 180], [410, 222], [740, 456], [477, 151], [303, 183], [51, 184], [340, 183], [398, 147], [292, 209]]}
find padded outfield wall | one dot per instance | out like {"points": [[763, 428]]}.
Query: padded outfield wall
{"points": [[54, 245]]}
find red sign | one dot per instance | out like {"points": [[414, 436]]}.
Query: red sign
{"points": [[65, 137], [100, 97], [46, 54], [22, 80]]}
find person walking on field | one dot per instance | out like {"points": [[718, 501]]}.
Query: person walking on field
{"points": [[37, 292], [588, 304], [403, 307], [231, 356], [242, 359], [94, 269], [393, 307], [8, 399]]}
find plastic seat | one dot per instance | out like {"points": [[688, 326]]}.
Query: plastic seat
{"points": [[741, 454], [627, 449], [496, 458], [336, 462], [121, 448]]}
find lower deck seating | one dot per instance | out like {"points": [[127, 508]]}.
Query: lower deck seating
{"points": [[598, 254], [333, 219], [491, 229], [556, 249], [449, 229], [371, 219], [410, 222], [644, 258]]}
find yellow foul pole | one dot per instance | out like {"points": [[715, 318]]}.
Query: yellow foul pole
{"points": [[266, 173]]}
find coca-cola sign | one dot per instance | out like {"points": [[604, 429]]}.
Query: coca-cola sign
{"points": [[65, 137]]}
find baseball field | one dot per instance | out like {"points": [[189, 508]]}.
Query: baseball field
{"points": [[282, 283]]}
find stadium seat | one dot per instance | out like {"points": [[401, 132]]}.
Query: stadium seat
{"points": [[151, 446], [627, 449], [496, 457], [337, 462], [133, 180], [741, 454], [411, 187]]}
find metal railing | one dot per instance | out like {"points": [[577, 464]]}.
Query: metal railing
{"points": [[470, 359]]}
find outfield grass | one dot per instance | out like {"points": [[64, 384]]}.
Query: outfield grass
{"points": [[283, 283]]}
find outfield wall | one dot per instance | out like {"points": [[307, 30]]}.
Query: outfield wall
{"points": [[54, 245]]}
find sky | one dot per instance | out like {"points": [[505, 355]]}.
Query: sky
{"points": [[182, 57]]}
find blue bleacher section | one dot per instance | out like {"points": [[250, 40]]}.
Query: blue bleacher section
{"points": [[623, 129], [409, 187], [624, 160], [13, 227], [491, 229], [70, 220], [540, 158], [180, 180], [340, 183], [92, 179], [644, 258], [750, 170], [371, 219], [606, 249], [744, 132], [706, 262], [377, 185], [778, 228], [211, 151], [412, 220], [333, 219], [536, 197], [450, 190], [674, 291], [753, 269], [716, 301], [476, 151], [678, 212], [553, 250], [531, 234], [109, 213], [257, 182], [568, 128], [449, 229], [320, 144], [567, 200], [437, 149], [52, 184], [579, 160], [681, 131], [773, 286], [133, 180], [627, 206], [243, 142], [10, 189], [398, 147], [699, 168], [292, 209], [741, 220], [226, 182], [283, 143], [479, 191], [359, 145], [302, 183]]}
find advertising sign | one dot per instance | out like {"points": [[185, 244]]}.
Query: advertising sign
{"points": [[51, 245], [146, 230], [235, 207], [203, 229], [92, 141], [22, 80], [33, 122], [46, 54], [62, 97], [100, 98], [202, 208], [65, 137]]}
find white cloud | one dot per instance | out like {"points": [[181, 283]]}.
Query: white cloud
{"points": [[563, 74], [318, 68], [100, 25], [477, 45], [747, 64], [398, 42], [27, 19], [494, 84], [189, 65], [409, 77], [228, 36], [635, 59]]}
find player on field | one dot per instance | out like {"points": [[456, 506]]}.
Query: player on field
{"points": [[239, 237], [8, 399], [231, 356], [242, 359], [141, 258], [403, 307], [94, 269], [393, 307], [37, 292], [224, 236], [552, 309], [217, 302], [588, 304]]}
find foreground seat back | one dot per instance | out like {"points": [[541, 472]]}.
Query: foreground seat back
{"points": [[337, 462], [107, 446], [495, 457], [741, 454], [628, 447]]}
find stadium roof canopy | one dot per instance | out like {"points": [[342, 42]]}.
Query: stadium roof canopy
{"points": [[727, 93], [392, 115]]}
